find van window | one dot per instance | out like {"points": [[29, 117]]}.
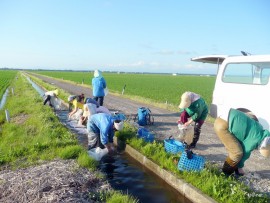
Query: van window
{"points": [[265, 75], [238, 73], [246, 73]]}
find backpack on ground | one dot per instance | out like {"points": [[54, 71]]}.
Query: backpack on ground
{"points": [[144, 116]]}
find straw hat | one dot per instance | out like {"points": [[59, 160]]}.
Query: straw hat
{"points": [[185, 101]]}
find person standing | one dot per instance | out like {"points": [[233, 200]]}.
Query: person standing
{"points": [[50, 96], [241, 133], [101, 128], [98, 85], [193, 108]]}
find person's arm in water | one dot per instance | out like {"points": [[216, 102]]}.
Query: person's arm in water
{"points": [[74, 110]]}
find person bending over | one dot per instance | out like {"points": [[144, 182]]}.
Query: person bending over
{"points": [[241, 134], [193, 108], [101, 128]]}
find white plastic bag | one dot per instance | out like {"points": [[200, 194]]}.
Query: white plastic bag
{"points": [[98, 153], [106, 91], [186, 133]]}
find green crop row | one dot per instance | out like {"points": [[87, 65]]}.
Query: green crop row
{"points": [[6, 76], [158, 88]]}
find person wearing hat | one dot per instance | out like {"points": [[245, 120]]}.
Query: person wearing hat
{"points": [[77, 102], [50, 96], [193, 109], [89, 109], [98, 86], [241, 133], [101, 128]]}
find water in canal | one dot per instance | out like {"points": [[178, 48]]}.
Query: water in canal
{"points": [[123, 172]]}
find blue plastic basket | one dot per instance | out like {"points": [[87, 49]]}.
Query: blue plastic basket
{"points": [[145, 134], [195, 164], [173, 146]]}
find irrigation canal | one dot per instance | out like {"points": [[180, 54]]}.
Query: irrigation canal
{"points": [[122, 171]]}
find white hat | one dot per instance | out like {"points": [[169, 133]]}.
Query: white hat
{"points": [[185, 101], [71, 97], [97, 74], [119, 125]]}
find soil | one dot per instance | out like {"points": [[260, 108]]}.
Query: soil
{"points": [[55, 181], [257, 168]]}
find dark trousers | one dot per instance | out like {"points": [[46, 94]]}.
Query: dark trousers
{"points": [[197, 127], [99, 100], [48, 99]]}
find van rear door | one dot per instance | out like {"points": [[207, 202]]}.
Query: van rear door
{"points": [[214, 59]]}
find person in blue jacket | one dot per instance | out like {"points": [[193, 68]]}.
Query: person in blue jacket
{"points": [[98, 86], [101, 128]]}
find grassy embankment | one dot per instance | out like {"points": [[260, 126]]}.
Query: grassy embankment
{"points": [[35, 135], [210, 181]]}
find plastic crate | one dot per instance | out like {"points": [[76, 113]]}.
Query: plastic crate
{"points": [[145, 134], [195, 164], [173, 146]]}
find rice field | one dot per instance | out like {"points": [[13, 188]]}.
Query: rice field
{"points": [[6, 76], [160, 88]]}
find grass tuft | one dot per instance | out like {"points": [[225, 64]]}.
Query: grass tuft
{"points": [[70, 152], [84, 160]]}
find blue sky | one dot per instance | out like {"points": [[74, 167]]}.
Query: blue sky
{"points": [[130, 35]]}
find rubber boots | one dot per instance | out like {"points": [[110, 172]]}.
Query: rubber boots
{"points": [[197, 132], [229, 167]]}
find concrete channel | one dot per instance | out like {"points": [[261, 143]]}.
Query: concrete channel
{"points": [[185, 189]]}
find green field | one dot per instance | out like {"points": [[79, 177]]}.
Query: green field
{"points": [[159, 88], [6, 76]]}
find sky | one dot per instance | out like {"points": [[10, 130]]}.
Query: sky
{"points": [[159, 36]]}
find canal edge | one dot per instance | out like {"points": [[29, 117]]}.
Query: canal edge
{"points": [[189, 191]]}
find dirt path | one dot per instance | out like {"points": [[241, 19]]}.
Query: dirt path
{"points": [[257, 168]]}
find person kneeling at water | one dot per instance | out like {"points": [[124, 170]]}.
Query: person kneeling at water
{"points": [[101, 128], [241, 134]]}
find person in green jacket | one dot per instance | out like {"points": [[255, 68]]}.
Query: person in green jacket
{"points": [[241, 133], [193, 108]]}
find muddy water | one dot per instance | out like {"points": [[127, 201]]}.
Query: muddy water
{"points": [[122, 171]]}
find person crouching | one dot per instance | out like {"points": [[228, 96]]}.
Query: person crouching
{"points": [[101, 128]]}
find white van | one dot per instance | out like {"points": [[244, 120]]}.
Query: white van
{"points": [[241, 82]]}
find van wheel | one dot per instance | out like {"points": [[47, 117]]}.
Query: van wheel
{"points": [[248, 113]]}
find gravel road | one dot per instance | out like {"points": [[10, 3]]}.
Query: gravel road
{"points": [[257, 168]]}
